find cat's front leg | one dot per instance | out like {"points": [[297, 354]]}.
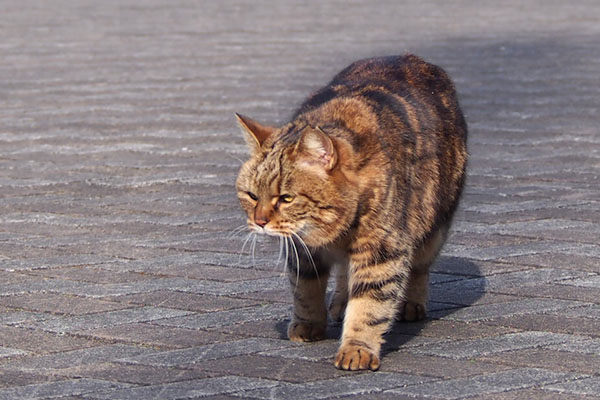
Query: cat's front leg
{"points": [[376, 280], [308, 276]]}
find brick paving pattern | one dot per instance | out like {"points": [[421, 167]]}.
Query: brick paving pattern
{"points": [[119, 274]]}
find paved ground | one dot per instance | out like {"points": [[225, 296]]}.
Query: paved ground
{"points": [[119, 279]]}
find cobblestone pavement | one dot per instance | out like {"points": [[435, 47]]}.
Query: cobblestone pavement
{"points": [[120, 279]]}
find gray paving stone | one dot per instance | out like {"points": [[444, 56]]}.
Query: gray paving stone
{"points": [[527, 205], [583, 387], [14, 378], [199, 257], [485, 384], [118, 289], [279, 368], [554, 360], [189, 301], [48, 285], [8, 352], [229, 317], [437, 278], [464, 349], [512, 308], [564, 260], [60, 389], [584, 249], [161, 263], [579, 345], [43, 263], [450, 330], [505, 251], [565, 292], [531, 277], [189, 389], [58, 303], [592, 281], [499, 282], [592, 312], [39, 342], [104, 319], [148, 334], [134, 374], [363, 384], [318, 351], [69, 359], [559, 322], [92, 274], [179, 284], [20, 317], [255, 285], [214, 351]]}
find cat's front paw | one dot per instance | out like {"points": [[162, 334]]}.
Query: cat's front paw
{"points": [[411, 312], [354, 358], [306, 331]]}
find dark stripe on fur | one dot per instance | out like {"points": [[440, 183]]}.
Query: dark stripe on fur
{"points": [[360, 289], [319, 98], [378, 321]]}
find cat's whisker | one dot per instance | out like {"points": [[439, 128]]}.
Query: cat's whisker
{"points": [[288, 262], [248, 236], [285, 261], [280, 250], [253, 248], [237, 231], [297, 261], [308, 253], [235, 158]]}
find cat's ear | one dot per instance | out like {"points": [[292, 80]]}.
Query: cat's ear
{"points": [[254, 132], [315, 147]]}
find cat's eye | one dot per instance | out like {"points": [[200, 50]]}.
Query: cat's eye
{"points": [[286, 198], [252, 196]]}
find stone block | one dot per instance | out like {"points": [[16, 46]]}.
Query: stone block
{"points": [[472, 348], [56, 389], [485, 384], [193, 355]]}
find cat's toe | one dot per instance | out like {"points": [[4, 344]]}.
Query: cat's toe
{"points": [[306, 332], [354, 358], [412, 312]]}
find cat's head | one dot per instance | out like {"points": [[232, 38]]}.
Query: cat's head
{"points": [[298, 180]]}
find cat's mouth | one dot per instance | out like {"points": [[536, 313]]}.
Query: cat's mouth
{"points": [[273, 230], [270, 231]]}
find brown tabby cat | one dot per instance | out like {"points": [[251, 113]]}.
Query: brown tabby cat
{"points": [[366, 177]]}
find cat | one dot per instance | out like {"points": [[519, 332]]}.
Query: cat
{"points": [[363, 181]]}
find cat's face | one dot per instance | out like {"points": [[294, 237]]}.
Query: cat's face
{"points": [[288, 187]]}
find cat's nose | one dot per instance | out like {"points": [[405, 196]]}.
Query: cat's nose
{"points": [[261, 221], [261, 215]]}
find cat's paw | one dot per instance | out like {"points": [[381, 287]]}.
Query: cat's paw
{"points": [[306, 332], [411, 312], [337, 309], [354, 358]]}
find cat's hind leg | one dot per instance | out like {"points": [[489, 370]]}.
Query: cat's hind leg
{"points": [[414, 304]]}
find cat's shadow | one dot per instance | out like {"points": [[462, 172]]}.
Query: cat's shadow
{"points": [[455, 283]]}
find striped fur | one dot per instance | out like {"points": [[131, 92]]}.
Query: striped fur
{"points": [[367, 175]]}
